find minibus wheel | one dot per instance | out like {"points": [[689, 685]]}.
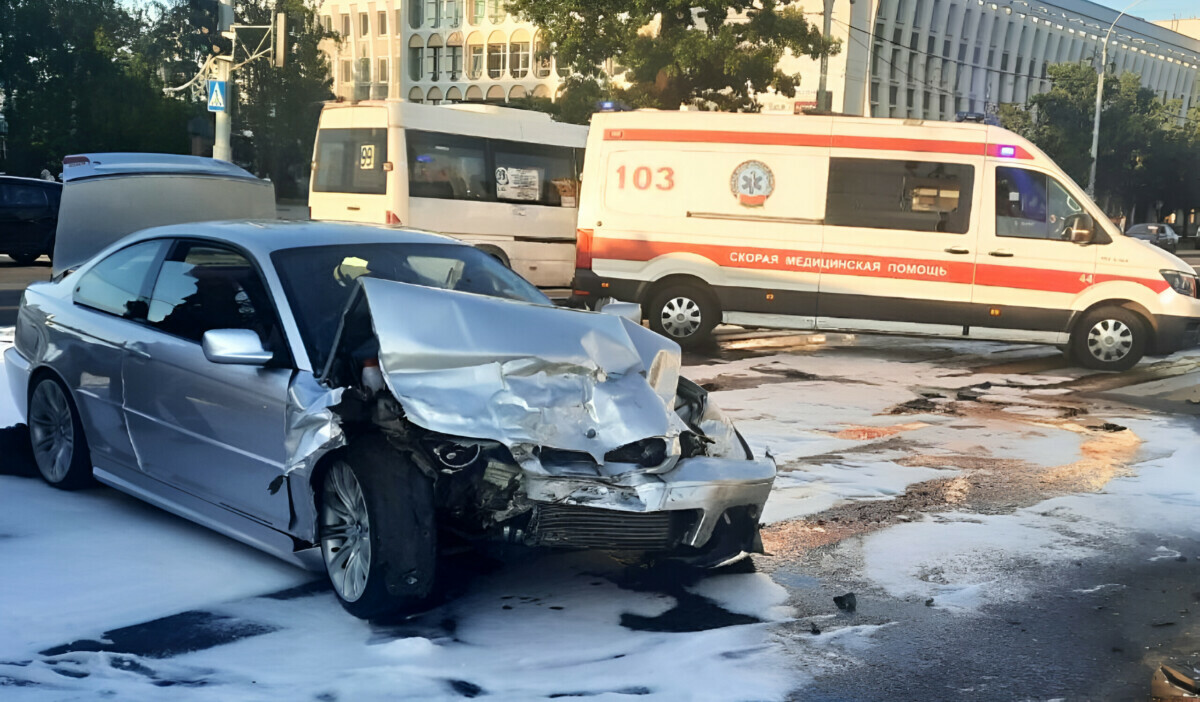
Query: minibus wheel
{"points": [[1110, 339], [685, 314]]}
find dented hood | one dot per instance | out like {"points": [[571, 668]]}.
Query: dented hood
{"points": [[522, 374]]}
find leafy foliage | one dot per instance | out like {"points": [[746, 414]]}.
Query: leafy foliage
{"points": [[71, 81], [715, 54], [1146, 152]]}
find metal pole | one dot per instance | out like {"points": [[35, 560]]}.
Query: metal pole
{"points": [[823, 102], [1091, 188], [222, 128]]}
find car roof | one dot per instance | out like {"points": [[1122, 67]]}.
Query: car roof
{"points": [[264, 237], [79, 166], [22, 180]]}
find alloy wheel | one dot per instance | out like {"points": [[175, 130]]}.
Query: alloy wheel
{"points": [[345, 532], [52, 429]]}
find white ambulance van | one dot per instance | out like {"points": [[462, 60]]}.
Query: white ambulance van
{"points": [[870, 225], [503, 179]]}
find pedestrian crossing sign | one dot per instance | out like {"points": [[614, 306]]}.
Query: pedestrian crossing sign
{"points": [[216, 95]]}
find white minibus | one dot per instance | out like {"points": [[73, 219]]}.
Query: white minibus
{"points": [[874, 225], [506, 180]]}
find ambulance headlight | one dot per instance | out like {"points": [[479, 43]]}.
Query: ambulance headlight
{"points": [[1180, 282]]}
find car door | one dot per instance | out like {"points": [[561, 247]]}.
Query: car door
{"points": [[899, 244], [213, 430], [26, 218], [109, 300], [1028, 272]]}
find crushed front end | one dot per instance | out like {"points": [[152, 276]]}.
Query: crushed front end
{"points": [[550, 427]]}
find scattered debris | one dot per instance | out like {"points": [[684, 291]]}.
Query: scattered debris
{"points": [[1109, 426], [1161, 624], [812, 629], [929, 602], [1168, 683], [922, 405], [1181, 559], [847, 602]]}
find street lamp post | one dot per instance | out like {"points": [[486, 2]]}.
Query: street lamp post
{"points": [[1091, 189], [824, 104]]}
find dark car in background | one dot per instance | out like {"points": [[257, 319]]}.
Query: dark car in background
{"points": [[1161, 235], [28, 217]]}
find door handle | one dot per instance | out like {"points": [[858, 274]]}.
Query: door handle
{"points": [[1001, 253], [957, 250], [137, 348]]}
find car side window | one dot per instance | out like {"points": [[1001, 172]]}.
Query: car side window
{"points": [[120, 284], [203, 286], [1032, 205], [24, 196]]}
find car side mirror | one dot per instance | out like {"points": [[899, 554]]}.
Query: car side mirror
{"points": [[1081, 228], [235, 346], [629, 310]]}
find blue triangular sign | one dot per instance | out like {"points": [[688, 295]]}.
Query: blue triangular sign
{"points": [[216, 96]]}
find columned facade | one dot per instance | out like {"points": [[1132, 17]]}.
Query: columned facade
{"points": [[435, 51], [931, 59]]}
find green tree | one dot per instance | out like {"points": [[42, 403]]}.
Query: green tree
{"points": [[715, 54], [1145, 151], [71, 81]]}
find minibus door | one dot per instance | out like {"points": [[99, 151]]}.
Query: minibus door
{"points": [[1028, 271], [352, 166]]}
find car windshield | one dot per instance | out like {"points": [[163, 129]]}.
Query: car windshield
{"points": [[318, 280]]}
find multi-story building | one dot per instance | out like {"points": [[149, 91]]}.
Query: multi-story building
{"points": [[435, 51], [931, 59]]}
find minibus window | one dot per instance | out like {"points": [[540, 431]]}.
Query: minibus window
{"points": [[1032, 205], [534, 173], [923, 196], [447, 166], [351, 161]]}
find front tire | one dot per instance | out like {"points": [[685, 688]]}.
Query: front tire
{"points": [[24, 259], [60, 449], [377, 530], [1109, 339], [684, 313]]}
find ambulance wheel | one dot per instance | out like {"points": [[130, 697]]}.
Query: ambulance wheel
{"points": [[1109, 339], [685, 314]]}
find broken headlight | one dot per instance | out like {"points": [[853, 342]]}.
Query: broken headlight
{"points": [[1180, 282]]}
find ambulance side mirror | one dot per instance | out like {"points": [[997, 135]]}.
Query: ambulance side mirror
{"points": [[1081, 228]]}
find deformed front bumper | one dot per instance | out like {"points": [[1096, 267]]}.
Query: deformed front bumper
{"points": [[17, 368], [705, 508]]}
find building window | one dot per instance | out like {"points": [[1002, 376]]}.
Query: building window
{"points": [[382, 22], [431, 13], [541, 60], [921, 196], [364, 70], [347, 72], [346, 26], [454, 60], [477, 10], [433, 56], [452, 13], [327, 23], [415, 56], [381, 75], [414, 15], [475, 57], [495, 59], [496, 11], [518, 60], [364, 24], [399, 19]]}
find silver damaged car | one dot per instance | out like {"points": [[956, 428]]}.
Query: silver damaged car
{"points": [[348, 397]]}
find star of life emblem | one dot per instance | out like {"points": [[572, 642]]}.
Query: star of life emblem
{"points": [[752, 182]]}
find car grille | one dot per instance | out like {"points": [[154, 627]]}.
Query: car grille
{"points": [[587, 527]]}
